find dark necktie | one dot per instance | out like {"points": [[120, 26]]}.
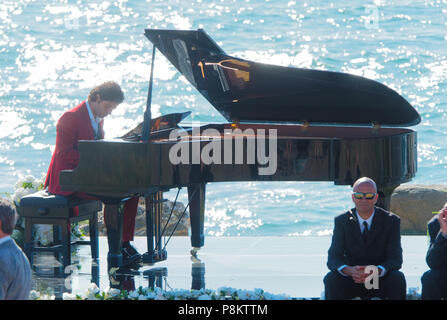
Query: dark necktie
{"points": [[365, 231]]}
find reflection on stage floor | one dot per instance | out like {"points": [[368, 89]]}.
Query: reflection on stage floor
{"points": [[294, 266]]}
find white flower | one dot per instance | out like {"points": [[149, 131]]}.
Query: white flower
{"points": [[92, 291], [158, 290], [269, 296], [258, 292], [150, 295], [29, 179], [244, 295], [68, 296], [112, 292], [20, 193], [34, 295], [226, 291], [94, 288], [159, 294], [43, 233], [76, 233], [46, 297], [91, 296], [28, 182], [27, 185]]}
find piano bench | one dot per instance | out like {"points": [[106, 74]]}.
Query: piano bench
{"points": [[44, 208]]}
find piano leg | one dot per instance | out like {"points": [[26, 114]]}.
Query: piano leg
{"points": [[149, 201], [385, 193], [196, 197], [154, 212], [198, 275], [114, 224]]}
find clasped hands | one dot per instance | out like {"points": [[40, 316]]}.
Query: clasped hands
{"points": [[357, 273]]}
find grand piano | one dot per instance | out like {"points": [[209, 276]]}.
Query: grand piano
{"points": [[314, 125]]}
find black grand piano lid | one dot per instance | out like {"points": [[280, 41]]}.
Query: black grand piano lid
{"points": [[246, 91]]}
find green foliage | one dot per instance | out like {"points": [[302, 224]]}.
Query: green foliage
{"points": [[6, 195], [27, 185]]}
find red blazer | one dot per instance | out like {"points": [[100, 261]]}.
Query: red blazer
{"points": [[73, 125]]}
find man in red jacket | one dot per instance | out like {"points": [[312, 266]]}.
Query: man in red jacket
{"points": [[85, 122]]}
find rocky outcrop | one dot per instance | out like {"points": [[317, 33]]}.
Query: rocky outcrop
{"points": [[415, 205], [140, 221]]}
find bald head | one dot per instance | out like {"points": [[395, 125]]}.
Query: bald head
{"points": [[363, 205], [365, 180]]}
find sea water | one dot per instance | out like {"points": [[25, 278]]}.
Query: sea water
{"points": [[53, 52]]}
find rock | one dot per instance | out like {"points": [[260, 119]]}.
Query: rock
{"points": [[140, 221], [415, 204], [412, 202]]}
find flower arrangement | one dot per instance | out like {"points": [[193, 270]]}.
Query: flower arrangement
{"points": [[27, 185], [224, 293]]}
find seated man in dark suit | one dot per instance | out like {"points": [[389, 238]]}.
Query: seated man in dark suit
{"points": [[434, 281], [365, 236]]}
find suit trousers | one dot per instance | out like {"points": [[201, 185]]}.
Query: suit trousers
{"points": [[130, 213], [434, 285], [391, 286]]}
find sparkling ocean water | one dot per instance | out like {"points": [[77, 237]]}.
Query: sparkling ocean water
{"points": [[53, 52]]}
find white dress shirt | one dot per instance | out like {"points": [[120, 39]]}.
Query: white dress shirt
{"points": [[94, 120], [360, 220]]}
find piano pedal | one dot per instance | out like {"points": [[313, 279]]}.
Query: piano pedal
{"points": [[156, 256], [194, 251], [195, 260], [112, 275]]}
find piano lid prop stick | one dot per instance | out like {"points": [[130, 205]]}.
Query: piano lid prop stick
{"points": [[146, 131]]}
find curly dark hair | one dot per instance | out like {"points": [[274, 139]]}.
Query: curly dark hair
{"points": [[109, 91], [7, 216]]}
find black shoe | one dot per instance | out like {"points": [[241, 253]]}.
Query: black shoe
{"points": [[130, 254], [130, 248]]}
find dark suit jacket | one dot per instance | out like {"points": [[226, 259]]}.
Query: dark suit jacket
{"points": [[437, 252], [382, 248], [73, 125]]}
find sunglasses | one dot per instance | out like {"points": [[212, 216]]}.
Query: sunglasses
{"points": [[361, 195]]}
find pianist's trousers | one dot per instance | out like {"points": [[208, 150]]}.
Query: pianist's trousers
{"points": [[130, 212], [391, 286]]}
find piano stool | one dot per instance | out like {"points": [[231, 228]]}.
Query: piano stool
{"points": [[44, 208]]}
